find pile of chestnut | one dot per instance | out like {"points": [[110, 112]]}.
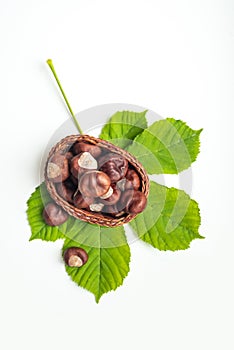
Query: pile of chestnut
{"points": [[95, 179]]}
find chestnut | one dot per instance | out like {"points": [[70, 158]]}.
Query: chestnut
{"points": [[111, 209], [114, 165], [79, 147], [82, 202], [57, 168], [113, 198], [96, 207], [94, 183], [66, 190], [75, 257], [108, 193], [133, 202], [81, 163], [54, 215], [132, 180]]}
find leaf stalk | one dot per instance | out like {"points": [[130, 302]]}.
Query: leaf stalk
{"points": [[50, 64]]}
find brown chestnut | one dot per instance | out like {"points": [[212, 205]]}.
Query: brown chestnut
{"points": [[113, 198], [81, 163], [96, 207], [57, 168], [87, 147], [111, 209], [66, 190], [54, 215], [132, 180], [114, 165], [94, 183], [75, 257], [133, 202], [82, 202]]}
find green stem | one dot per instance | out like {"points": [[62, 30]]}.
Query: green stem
{"points": [[50, 64]]}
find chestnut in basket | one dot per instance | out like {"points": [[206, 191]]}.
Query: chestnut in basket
{"points": [[80, 147], [66, 190], [114, 165], [133, 202], [108, 190], [81, 163], [57, 168], [112, 210], [81, 201], [132, 180], [94, 183], [113, 197]]}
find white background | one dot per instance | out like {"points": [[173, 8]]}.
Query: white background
{"points": [[174, 57]]}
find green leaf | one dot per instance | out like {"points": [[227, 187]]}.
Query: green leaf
{"points": [[40, 230], [89, 234], [123, 127], [106, 267], [167, 146], [170, 220], [109, 253]]}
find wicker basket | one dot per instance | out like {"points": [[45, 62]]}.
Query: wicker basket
{"points": [[82, 214]]}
